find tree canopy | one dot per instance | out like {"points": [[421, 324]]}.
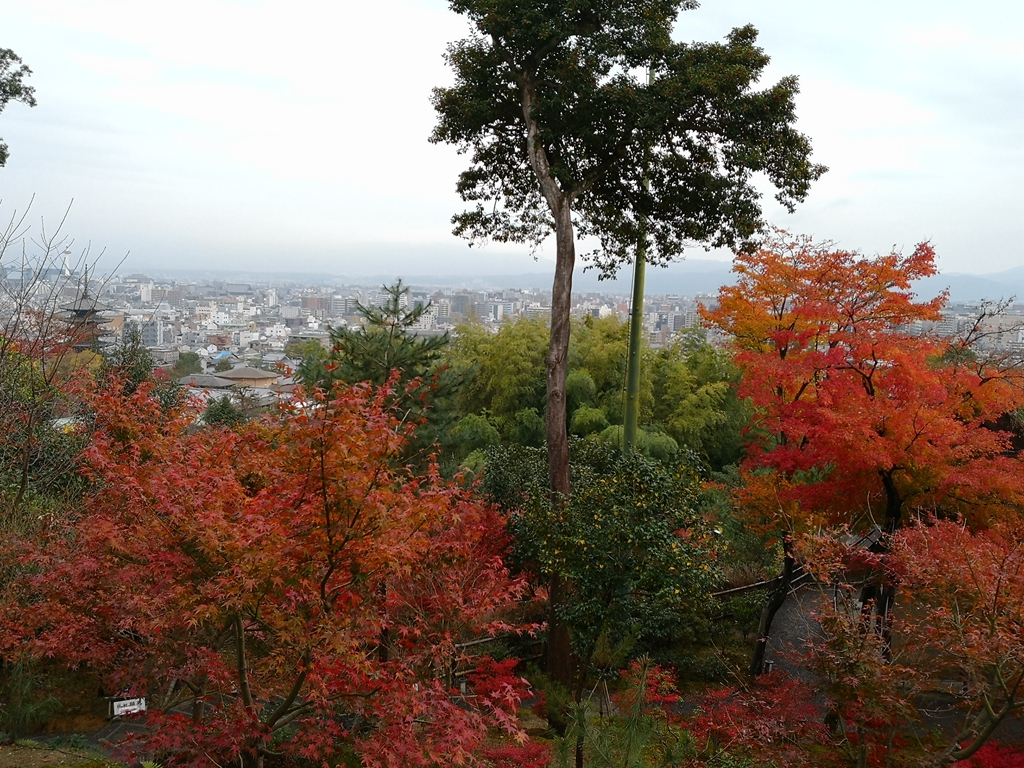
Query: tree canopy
{"points": [[564, 135], [186, 364], [854, 408], [129, 361], [853, 412], [551, 108], [958, 619], [635, 554], [13, 88], [386, 350], [383, 347], [689, 392]]}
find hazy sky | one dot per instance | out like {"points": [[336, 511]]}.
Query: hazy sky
{"points": [[293, 136]]}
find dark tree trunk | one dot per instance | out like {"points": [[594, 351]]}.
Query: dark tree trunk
{"points": [[887, 589], [559, 202], [26, 462], [775, 601], [559, 656], [199, 703], [883, 616], [893, 502], [973, 737], [559, 660]]}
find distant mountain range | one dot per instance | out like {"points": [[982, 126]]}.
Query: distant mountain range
{"points": [[703, 276], [687, 278], [964, 287]]}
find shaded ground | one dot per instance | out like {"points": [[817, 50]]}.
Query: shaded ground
{"points": [[40, 757], [101, 739], [81, 726], [794, 625]]}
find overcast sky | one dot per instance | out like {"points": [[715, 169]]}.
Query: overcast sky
{"points": [[293, 136]]}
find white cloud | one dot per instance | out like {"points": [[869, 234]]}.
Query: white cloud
{"points": [[209, 126]]}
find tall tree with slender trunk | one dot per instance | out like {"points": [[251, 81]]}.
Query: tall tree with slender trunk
{"points": [[551, 103]]}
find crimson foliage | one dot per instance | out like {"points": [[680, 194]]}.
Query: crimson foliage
{"points": [[281, 588]]}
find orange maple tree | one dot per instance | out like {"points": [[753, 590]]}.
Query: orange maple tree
{"points": [[284, 587], [856, 410]]}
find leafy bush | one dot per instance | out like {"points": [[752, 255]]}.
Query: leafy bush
{"points": [[587, 420], [474, 432], [223, 412], [629, 540]]}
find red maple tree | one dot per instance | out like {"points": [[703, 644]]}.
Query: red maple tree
{"points": [[285, 587], [957, 651], [854, 408], [859, 416], [774, 719]]}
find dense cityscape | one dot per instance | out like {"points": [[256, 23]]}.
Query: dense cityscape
{"points": [[254, 322]]}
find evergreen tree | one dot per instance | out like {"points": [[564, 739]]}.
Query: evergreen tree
{"points": [[385, 349], [382, 348], [188, 363], [129, 361], [224, 412]]}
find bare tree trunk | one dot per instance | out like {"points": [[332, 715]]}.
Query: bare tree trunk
{"points": [[558, 355], [893, 502], [775, 602], [559, 659], [26, 462], [978, 733], [560, 204], [199, 703], [559, 655]]}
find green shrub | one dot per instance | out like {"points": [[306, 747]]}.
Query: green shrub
{"points": [[23, 707]]}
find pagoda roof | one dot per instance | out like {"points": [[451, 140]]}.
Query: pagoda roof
{"points": [[206, 381], [246, 373]]}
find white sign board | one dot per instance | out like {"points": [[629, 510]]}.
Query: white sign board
{"points": [[128, 707]]}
